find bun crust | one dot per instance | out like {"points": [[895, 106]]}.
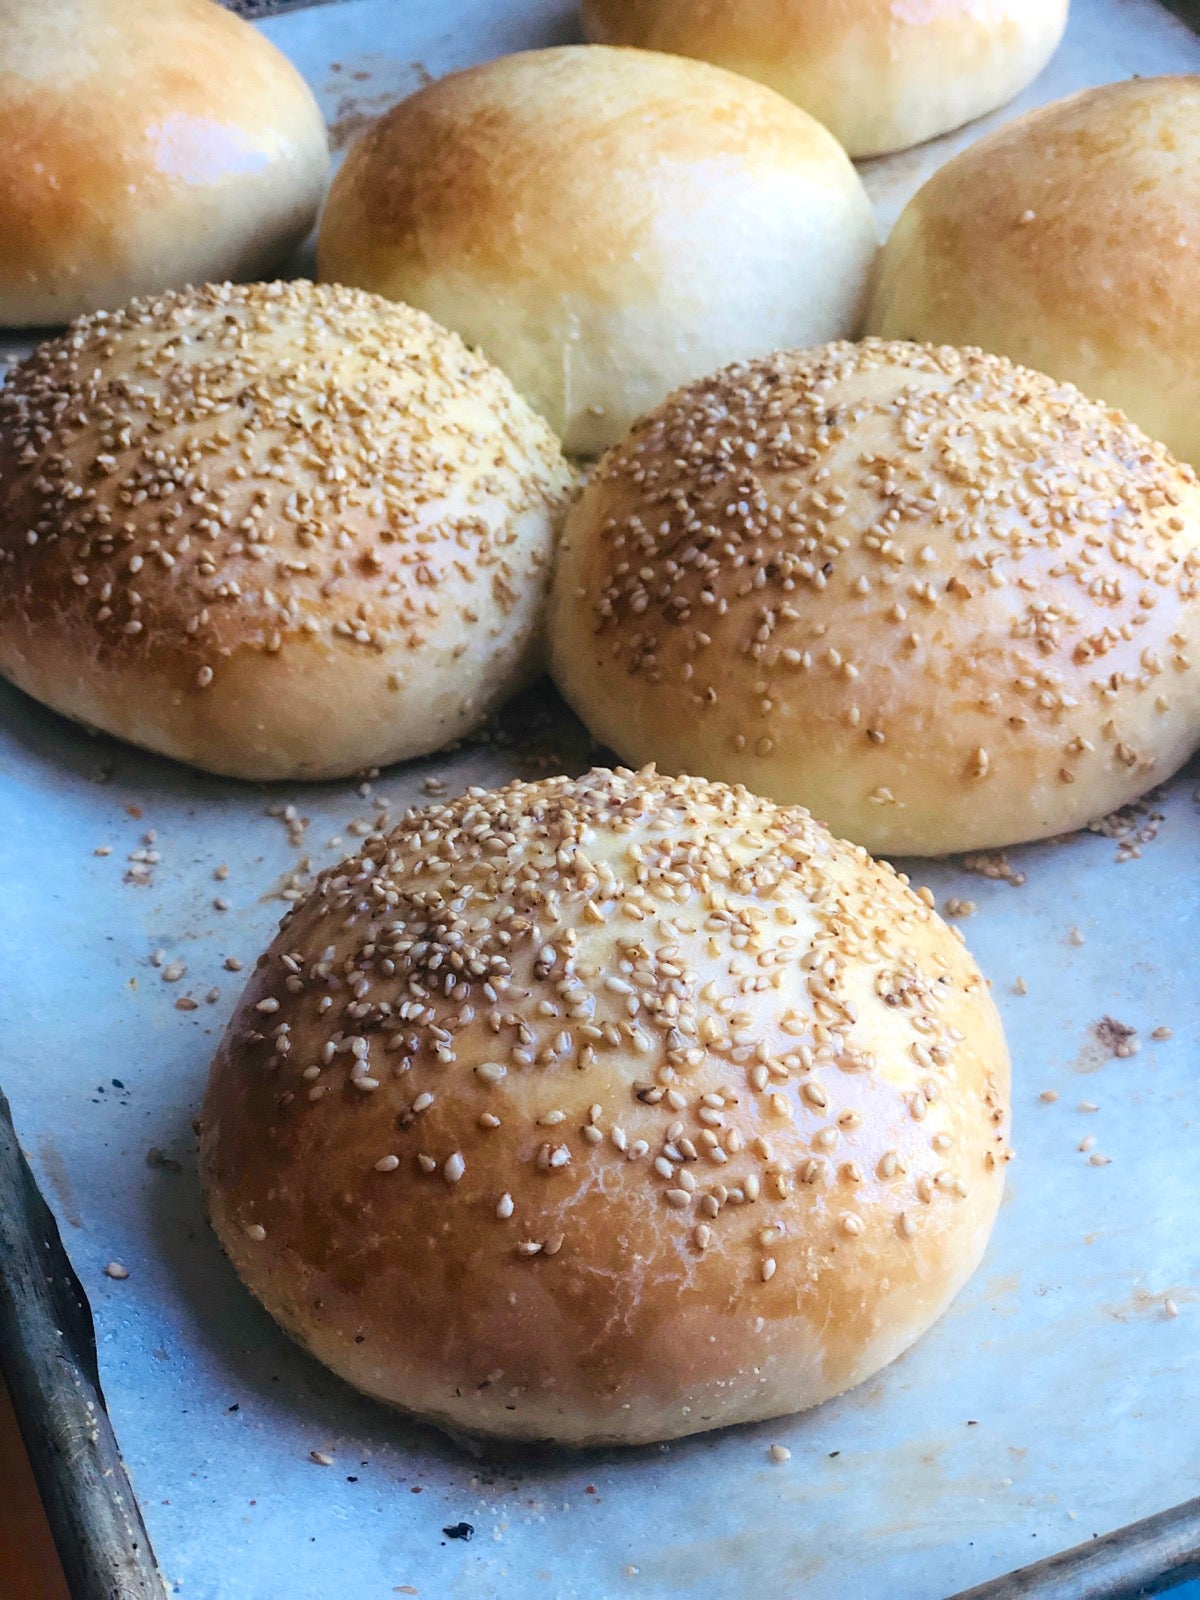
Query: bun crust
{"points": [[604, 224], [1070, 240], [146, 145], [642, 1106], [878, 75], [275, 530], [941, 600]]}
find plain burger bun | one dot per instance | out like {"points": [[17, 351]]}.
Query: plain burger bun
{"points": [[880, 76], [943, 601], [147, 144], [605, 1110], [277, 530], [604, 224], [1069, 240]]}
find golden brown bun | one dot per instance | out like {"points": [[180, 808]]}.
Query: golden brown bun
{"points": [[604, 224], [147, 144], [277, 530], [879, 74], [1069, 239], [637, 1106], [942, 601]]}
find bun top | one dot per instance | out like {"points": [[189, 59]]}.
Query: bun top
{"points": [[147, 143], [942, 600], [669, 1108], [1069, 239], [273, 477], [604, 224], [878, 75]]}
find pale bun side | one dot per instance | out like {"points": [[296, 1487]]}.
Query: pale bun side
{"points": [[607, 1110], [1069, 240], [943, 601], [604, 224], [275, 530], [878, 75], [147, 144]]}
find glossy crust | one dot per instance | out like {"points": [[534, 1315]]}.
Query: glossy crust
{"points": [[637, 1106], [276, 530], [1070, 240], [942, 601], [880, 74], [147, 144], [604, 224]]}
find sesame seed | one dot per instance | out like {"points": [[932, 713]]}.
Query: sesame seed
{"points": [[779, 1453], [504, 1207], [387, 1163], [767, 1269], [117, 1269], [454, 1168]]}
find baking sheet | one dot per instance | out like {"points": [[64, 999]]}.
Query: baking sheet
{"points": [[1054, 1401]]}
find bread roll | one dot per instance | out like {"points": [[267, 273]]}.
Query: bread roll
{"points": [[147, 144], [941, 600], [604, 224], [278, 530], [880, 76], [1069, 240], [606, 1110]]}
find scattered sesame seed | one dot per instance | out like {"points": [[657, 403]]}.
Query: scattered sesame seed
{"points": [[116, 1269], [779, 1452]]}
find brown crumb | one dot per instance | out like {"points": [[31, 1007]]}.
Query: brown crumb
{"points": [[221, 873], [186, 1003], [1020, 986], [102, 850], [1163, 1033], [1117, 1038], [159, 1158], [1076, 936]]}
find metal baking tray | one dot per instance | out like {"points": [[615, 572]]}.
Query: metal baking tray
{"points": [[1053, 1403]]}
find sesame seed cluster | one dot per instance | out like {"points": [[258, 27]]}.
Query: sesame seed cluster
{"points": [[280, 469], [894, 582], [660, 995]]}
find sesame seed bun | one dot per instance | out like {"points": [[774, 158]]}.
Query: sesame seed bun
{"points": [[604, 225], [1069, 239], [147, 144], [880, 76], [941, 600], [277, 530], [606, 1110]]}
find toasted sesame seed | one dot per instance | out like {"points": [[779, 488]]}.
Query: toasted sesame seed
{"points": [[387, 1163], [454, 1167]]}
